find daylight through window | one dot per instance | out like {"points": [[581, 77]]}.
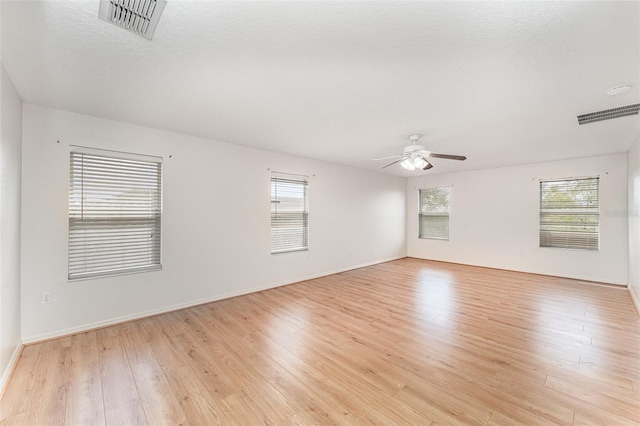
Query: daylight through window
{"points": [[114, 213], [434, 213], [289, 213], [569, 213]]}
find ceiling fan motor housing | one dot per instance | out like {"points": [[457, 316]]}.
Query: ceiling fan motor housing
{"points": [[413, 148]]}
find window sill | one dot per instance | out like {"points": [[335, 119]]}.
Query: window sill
{"points": [[114, 274], [289, 251]]}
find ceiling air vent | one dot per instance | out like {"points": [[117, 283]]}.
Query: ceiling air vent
{"points": [[138, 16], [608, 114]]}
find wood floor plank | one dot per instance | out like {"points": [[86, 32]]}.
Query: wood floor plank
{"points": [[311, 401], [211, 369], [48, 401], [136, 343], [118, 385], [621, 405], [160, 404], [199, 406], [167, 354], [403, 342], [371, 389], [84, 403], [129, 413], [23, 383], [16, 420]]}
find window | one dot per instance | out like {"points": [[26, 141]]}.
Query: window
{"points": [[114, 213], [569, 213], [434, 213], [289, 213]]}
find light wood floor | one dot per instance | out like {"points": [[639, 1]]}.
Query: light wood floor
{"points": [[404, 342]]}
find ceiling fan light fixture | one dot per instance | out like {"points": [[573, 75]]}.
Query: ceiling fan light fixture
{"points": [[407, 164], [414, 162], [415, 157], [419, 162]]}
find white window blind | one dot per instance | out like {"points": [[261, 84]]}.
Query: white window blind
{"points": [[289, 212], [114, 213], [434, 213], [569, 213]]}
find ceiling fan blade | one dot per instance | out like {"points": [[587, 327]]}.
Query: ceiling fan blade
{"points": [[428, 166], [386, 158], [447, 156], [391, 164]]}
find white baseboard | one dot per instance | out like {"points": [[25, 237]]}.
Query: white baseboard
{"points": [[635, 300], [527, 271], [6, 374], [125, 318]]}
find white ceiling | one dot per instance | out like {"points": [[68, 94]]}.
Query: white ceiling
{"points": [[501, 83]]}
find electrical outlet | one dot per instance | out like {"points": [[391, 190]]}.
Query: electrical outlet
{"points": [[46, 297]]}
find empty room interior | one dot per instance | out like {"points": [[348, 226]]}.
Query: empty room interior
{"points": [[313, 212]]}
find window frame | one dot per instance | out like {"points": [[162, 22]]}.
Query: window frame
{"points": [[425, 214], [549, 238], [288, 182], [109, 170]]}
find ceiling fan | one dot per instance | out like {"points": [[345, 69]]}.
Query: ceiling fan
{"points": [[414, 156]]}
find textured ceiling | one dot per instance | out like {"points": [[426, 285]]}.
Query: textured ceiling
{"points": [[501, 83]]}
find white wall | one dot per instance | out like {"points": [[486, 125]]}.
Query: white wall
{"points": [[494, 220], [633, 170], [10, 178], [215, 222]]}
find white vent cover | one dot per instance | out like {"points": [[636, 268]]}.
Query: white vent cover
{"points": [[609, 114], [138, 16]]}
